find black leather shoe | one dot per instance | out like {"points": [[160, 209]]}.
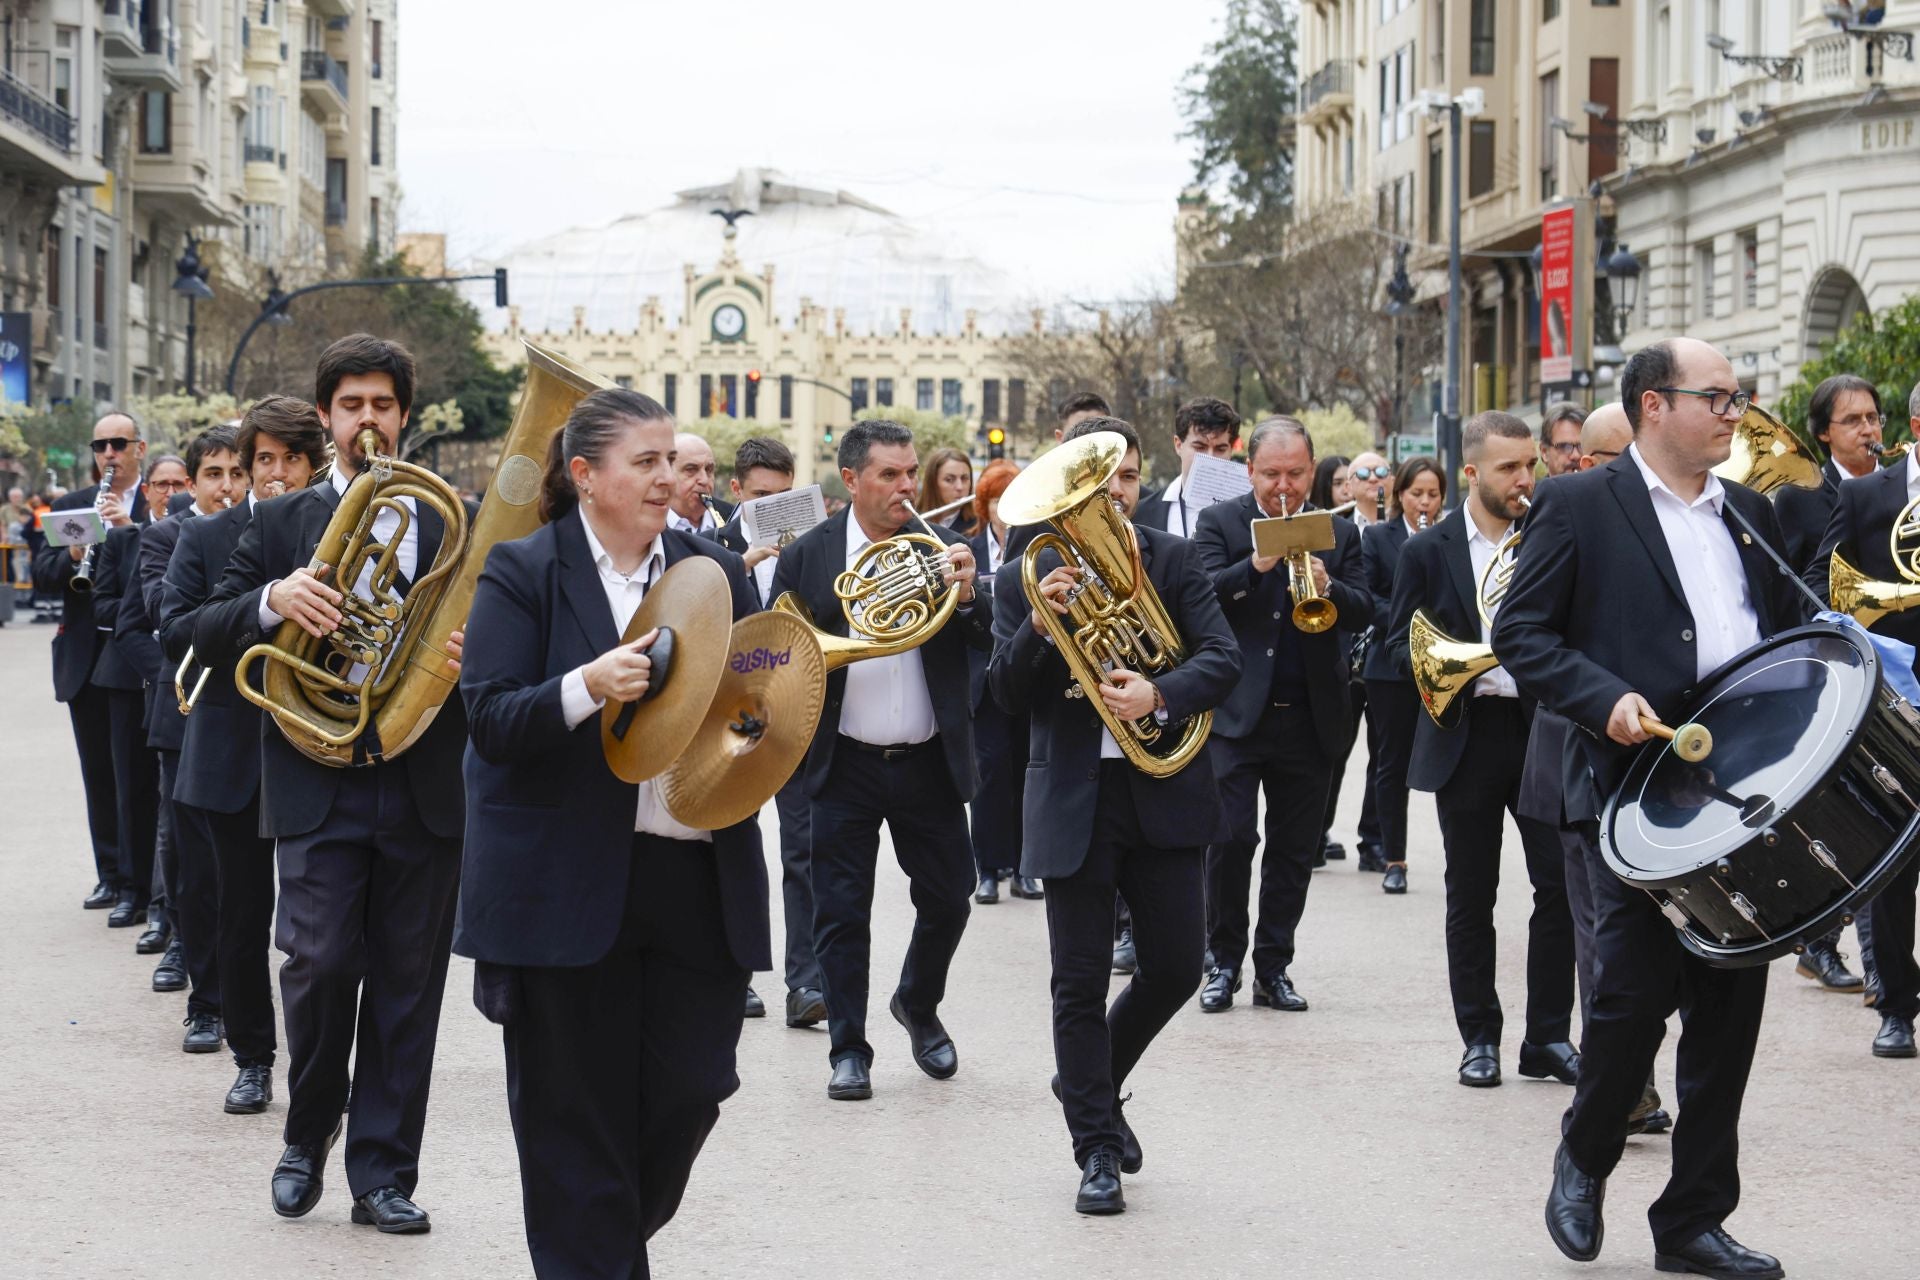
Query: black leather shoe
{"points": [[154, 940], [1125, 960], [806, 1008], [1320, 857], [100, 899], [1560, 1061], [300, 1176], [171, 973], [1896, 1037], [1573, 1209], [932, 1046], [1025, 887], [1826, 966], [1275, 991], [756, 1008], [1480, 1066], [126, 912], [1647, 1115], [391, 1212], [989, 890], [1715, 1253], [850, 1082], [1372, 858], [1395, 881], [1131, 1156], [1333, 851], [204, 1033], [1100, 1184], [1216, 993], [252, 1091]]}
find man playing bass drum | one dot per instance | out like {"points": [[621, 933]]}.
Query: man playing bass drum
{"points": [[1095, 824], [614, 943], [1634, 581]]}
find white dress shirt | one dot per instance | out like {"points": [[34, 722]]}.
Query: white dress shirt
{"points": [[1913, 475], [763, 578], [384, 524], [1497, 683], [886, 702], [1177, 510], [624, 594], [1725, 623], [707, 520]]}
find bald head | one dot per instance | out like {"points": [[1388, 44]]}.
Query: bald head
{"points": [[1604, 436], [693, 472]]}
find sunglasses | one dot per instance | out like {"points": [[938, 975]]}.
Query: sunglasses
{"points": [[121, 443], [1369, 473]]}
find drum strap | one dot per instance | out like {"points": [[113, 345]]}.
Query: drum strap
{"points": [[1819, 605]]}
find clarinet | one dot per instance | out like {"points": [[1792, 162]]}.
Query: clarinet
{"points": [[82, 580]]}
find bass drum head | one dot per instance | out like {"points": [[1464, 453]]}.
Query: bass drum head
{"points": [[1782, 716]]}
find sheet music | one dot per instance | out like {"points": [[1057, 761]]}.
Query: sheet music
{"points": [[779, 518], [1212, 480], [80, 527]]}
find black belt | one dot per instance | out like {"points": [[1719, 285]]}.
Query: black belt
{"points": [[1288, 696], [899, 751]]}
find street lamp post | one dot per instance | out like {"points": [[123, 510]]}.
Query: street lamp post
{"points": [[192, 285], [1399, 302], [1447, 433]]}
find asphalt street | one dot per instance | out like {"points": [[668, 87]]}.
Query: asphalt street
{"points": [[1333, 1143]]}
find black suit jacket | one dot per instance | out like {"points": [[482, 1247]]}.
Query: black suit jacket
{"points": [[728, 535], [137, 632], [1256, 605], [1151, 511], [77, 642], [1863, 516], [1595, 610], [989, 584], [219, 767], [549, 827], [1803, 515], [1435, 573], [296, 793], [120, 665], [808, 567], [1380, 548], [1030, 678]]}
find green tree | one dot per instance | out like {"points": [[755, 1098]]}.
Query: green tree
{"points": [[931, 430], [1884, 349], [45, 440], [1238, 101]]}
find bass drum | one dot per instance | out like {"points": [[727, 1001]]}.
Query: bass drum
{"points": [[1804, 810]]}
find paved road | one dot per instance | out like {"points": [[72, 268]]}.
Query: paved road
{"points": [[1328, 1144]]}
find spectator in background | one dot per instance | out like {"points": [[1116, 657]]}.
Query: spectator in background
{"points": [[1560, 437], [947, 476], [1330, 483]]}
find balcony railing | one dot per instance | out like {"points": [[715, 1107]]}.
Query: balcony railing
{"points": [[258, 153], [336, 212], [35, 114], [123, 17], [316, 64], [1335, 77]]}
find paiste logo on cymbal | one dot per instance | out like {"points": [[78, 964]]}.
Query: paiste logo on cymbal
{"points": [[756, 659]]}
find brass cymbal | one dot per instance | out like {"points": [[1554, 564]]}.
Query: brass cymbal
{"points": [[694, 603], [758, 727]]}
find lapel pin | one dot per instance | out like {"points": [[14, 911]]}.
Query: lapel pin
{"points": [[1746, 539]]}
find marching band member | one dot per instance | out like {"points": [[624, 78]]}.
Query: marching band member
{"points": [[1095, 824], [999, 737], [695, 509], [894, 745], [1474, 769], [1561, 430], [1201, 425], [368, 856], [1332, 489], [1284, 724], [216, 793], [1863, 521], [614, 944], [1633, 583]]}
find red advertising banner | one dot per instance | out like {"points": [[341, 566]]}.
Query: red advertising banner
{"points": [[1556, 296]]}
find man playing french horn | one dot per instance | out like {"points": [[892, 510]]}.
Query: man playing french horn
{"points": [[1096, 820]]}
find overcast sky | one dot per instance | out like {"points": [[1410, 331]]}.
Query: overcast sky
{"points": [[1040, 134]]}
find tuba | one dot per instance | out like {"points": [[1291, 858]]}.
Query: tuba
{"points": [[895, 598], [1868, 599], [369, 690], [1114, 618]]}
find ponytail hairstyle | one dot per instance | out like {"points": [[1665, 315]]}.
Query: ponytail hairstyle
{"points": [[593, 426]]}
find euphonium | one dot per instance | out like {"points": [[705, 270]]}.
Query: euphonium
{"points": [[1869, 599], [895, 598], [1768, 455], [1114, 618], [369, 690]]}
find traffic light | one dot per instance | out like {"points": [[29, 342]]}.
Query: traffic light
{"points": [[753, 393], [827, 438], [753, 375], [499, 286], [996, 443]]}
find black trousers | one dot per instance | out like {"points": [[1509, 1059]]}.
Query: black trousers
{"points": [[93, 737], [1393, 708], [193, 892], [1368, 829], [914, 796], [1473, 805], [242, 922], [1642, 974], [366, 920], [1574, 864], [1000, 746], [616, 1070], [796, 883], [160, 906], [1892, 915], [1283, 756], [136, 791], [1095, 1046]]}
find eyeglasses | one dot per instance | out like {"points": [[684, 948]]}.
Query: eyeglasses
{"points": [[1719, 403], [1369, 473], [1566, 448], [1605, 453], [121, 443], [1871, 421]]}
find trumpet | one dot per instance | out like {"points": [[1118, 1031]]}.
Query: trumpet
{"points": [[1295, 538], [185, 699], [82, 580]]}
